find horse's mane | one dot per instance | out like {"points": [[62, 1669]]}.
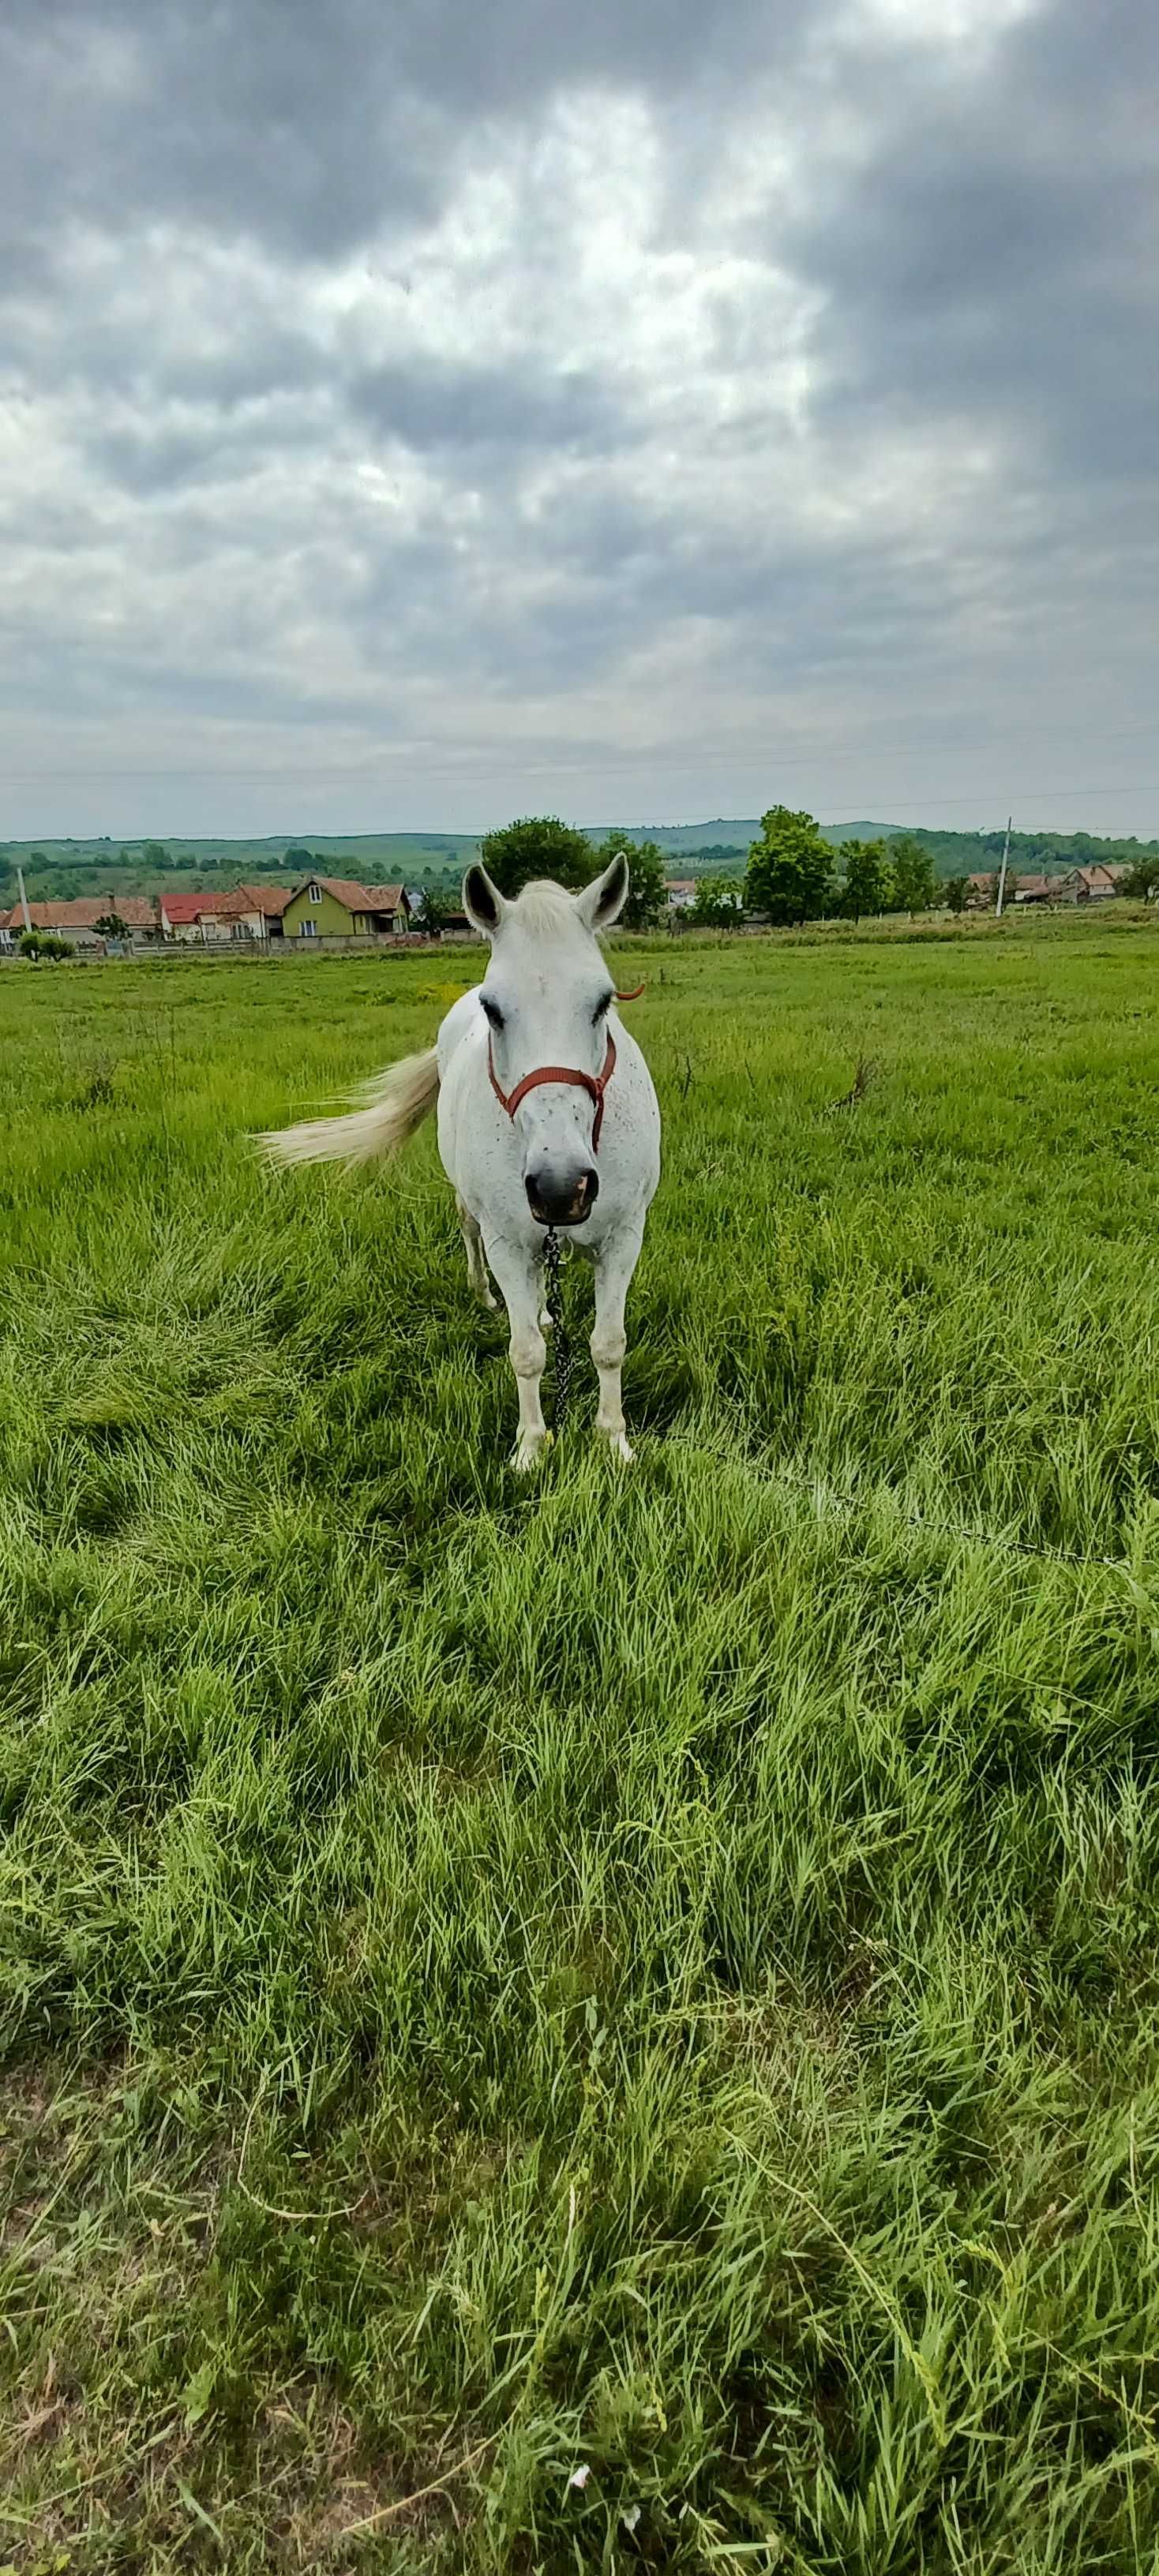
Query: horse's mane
{"points": [[543, 907]]}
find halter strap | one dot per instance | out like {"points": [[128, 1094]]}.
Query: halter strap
{"points": [[595, 1084]]}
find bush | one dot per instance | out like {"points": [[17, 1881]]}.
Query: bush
{"points": [[718, 904], [43, 943]]}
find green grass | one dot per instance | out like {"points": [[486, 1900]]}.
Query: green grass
{"points": [[656, 1973]]}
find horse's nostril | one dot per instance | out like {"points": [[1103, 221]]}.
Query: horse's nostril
{"points": [[561, 1198]]}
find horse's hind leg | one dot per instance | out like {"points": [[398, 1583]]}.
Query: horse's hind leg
{"points": [[609, 1341], [473, 1245]]}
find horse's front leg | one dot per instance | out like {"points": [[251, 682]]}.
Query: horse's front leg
{"points": [[519, 1280], [614, 1268]]}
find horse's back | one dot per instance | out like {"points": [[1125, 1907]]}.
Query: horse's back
{"points": [[461, 1046]]}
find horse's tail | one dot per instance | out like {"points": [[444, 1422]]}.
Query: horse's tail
{"points": [[394, 1104]]}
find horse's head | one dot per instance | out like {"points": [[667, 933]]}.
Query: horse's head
{"points": [[547, 993]]}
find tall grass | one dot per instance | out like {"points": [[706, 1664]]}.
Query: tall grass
{"points": [[610, 2022]]}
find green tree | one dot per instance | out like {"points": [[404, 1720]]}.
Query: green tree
{"points": [[913, 874], [43, 943], [789, 869], [538, 845], [428, 914], [1143, 883], [647, 889], [718, 904], [956, 891], [866, 886], [111, 926], [155, 854]]}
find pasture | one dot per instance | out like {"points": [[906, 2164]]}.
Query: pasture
{"points": [[608, 2021]]}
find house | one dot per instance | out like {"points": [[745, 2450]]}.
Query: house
{"points": [[1035, 889], [180, 915], [265, 910], [76, 920], [681, 893], [338, 908], [199, 919], [224, 918], [1087, 885], [211, 920], [393, 904]]}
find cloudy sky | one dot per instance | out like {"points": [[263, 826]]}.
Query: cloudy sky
{"points": [[420, 411]]}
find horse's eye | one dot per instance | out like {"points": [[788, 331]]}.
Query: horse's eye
{"points": [[492, 1010], [601, 1008]]}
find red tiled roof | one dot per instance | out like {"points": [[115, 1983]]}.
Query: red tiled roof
{"points": [[270, 899], [229, 905], [1095, 875], [355, 897], [180, 908], [83, 911], [345, 890]]}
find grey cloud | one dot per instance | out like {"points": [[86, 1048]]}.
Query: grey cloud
{"points": [[151, 456], [515, 409], [997, 253], [274, 518], [312, 128]]}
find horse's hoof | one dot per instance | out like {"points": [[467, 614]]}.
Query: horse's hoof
{"points": [[486, 1299], [529, 1450], [545, 1322], [618, 1447]]}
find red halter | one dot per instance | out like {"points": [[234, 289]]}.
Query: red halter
{"points": [[594, 1083]]}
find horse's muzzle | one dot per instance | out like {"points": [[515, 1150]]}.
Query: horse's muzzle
{"points": [[554, 1202]]}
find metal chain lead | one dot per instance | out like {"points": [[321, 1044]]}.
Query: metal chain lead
{"points": [[559, 1331]]}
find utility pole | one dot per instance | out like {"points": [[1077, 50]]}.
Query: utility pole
{"points": [[23, 899], [1002, 878]]}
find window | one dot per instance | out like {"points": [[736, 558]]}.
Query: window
{"points": [[315, 892], [307, 930]]}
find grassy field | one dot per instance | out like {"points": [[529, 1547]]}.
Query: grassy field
{"points": [[610, 2023]]}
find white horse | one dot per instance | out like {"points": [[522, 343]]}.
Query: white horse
{"points": [[547, 1117]]}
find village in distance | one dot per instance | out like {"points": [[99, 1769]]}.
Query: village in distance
{"points": [[62, 899]]}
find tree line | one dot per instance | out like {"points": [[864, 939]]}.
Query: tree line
{"points": [[793, 873]]}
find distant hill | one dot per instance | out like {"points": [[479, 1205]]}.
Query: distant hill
{"points": [[64, 868]]}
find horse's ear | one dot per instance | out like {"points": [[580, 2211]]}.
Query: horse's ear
{"points": [[603, 901], [482, 902]]}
